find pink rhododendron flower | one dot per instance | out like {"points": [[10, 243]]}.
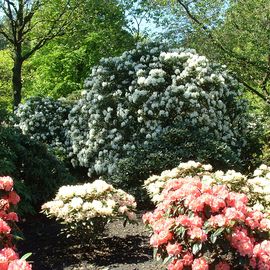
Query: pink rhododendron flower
{"points": [[234, 214], [12, 216], [197, 233], [163, 225], [148, 218], [218, 221], [242, 242], [234, 197], [19, 265], [222, 266], [176, 265], [4, 228], [3, 262], [187, 258], [220, 191], [164, 237], [216, 204], [13, 197], [4, 204], [200, 264], [173, 249], [196, 205], [9, 253], [253, 220], [265, 224], [183, 220], [6, 183]]}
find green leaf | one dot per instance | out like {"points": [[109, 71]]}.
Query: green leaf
{"points": [[219, 231], [213, 238], [155, 250], [196, 248], [18, 237], [167, 260], [26, 256], [181, 232]]}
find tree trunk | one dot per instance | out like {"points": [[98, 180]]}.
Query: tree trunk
{"points": [[17, 81]]}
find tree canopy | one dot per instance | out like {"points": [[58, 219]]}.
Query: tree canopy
{"points": [[98, 30], [235, 33], [73, 35]]}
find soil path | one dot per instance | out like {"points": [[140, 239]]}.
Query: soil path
{"points": [[122, 248]]}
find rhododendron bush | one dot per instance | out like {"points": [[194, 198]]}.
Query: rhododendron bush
{"points": [[9, 259], [86, 209], [43, 119], [131, 100], [202, 226], [256, 186]]}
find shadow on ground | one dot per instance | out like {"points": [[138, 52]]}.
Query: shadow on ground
{"points": [[121, 248]]}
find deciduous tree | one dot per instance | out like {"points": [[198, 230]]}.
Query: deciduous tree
{"points": [[28, 25]]}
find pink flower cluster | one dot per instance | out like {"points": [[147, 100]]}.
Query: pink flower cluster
{"points": [[9, 259], [194, 216]]}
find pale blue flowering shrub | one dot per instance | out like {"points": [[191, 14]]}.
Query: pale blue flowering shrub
{"points": [[43, 120], [130, 100]]}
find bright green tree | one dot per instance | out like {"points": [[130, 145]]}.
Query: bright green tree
{"points": [[98, 30], [27, 26], [5, 78]]}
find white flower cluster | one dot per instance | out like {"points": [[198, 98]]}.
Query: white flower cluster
{"points": [[43, 120], [260, 183], [256, 187], [130, 100], [82, 203]]}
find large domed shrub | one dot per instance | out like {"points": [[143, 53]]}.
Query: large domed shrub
{"points": [[130, 100]]}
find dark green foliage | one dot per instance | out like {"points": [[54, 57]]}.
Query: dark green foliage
{"points": [[179, 144], [36, 172]]}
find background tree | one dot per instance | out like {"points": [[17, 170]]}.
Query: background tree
{"points": [[5, 78], [61, 66], [236, 33], [27, 26]]}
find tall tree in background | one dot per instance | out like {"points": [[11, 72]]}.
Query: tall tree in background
{"points": [[235, 33], [60, 68], [28, 25]]}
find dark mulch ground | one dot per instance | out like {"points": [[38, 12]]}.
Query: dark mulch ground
{"points": [[122, 248]]}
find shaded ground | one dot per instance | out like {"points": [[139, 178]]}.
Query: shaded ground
{"points": [[122, 248]]}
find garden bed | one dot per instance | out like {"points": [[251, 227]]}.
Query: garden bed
{"points": [[122, 248]]}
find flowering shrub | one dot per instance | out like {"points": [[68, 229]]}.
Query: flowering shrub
{"points": [[202, 226], [87, 208], [9, 259], [256, 186], [156, 183], [130, 100], [43, 120]]}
